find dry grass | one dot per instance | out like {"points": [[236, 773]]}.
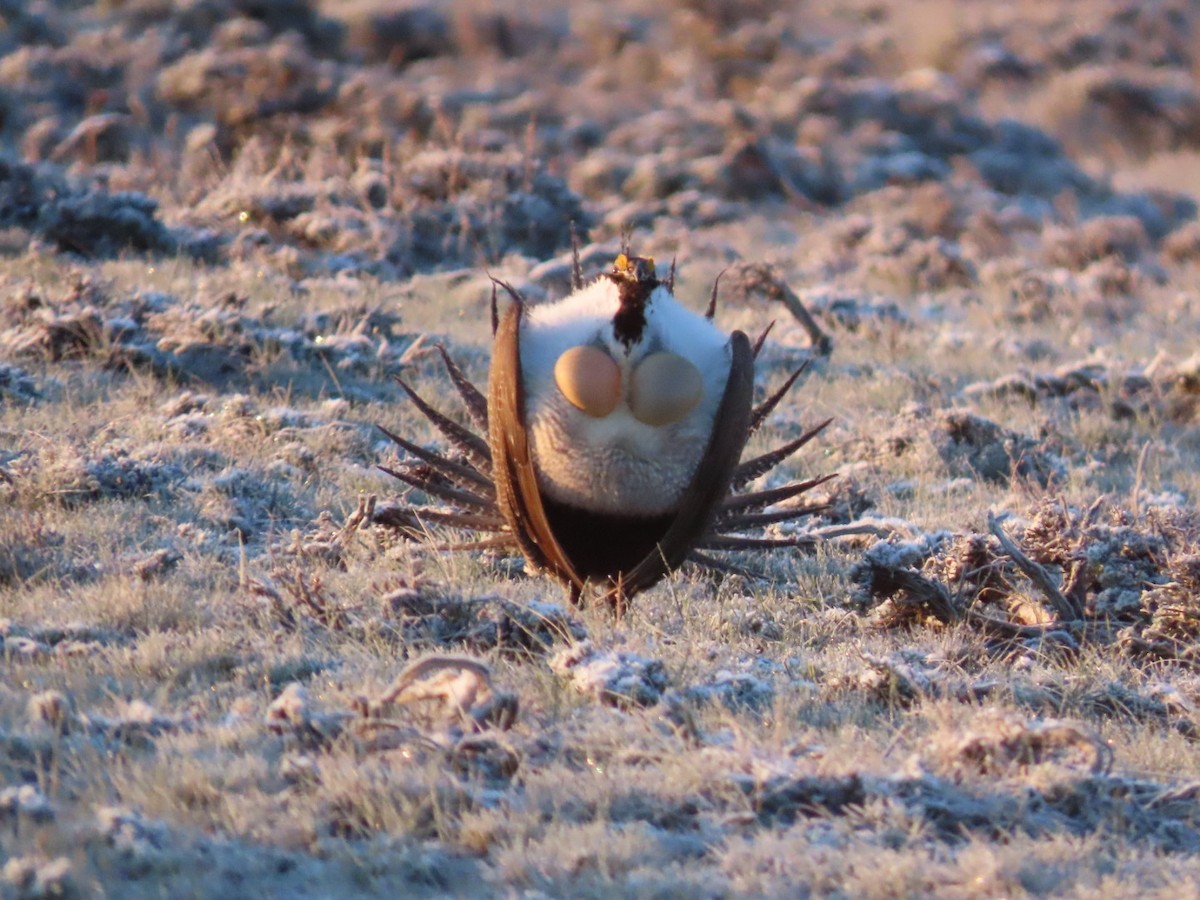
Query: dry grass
{"points": [[207, 639]]}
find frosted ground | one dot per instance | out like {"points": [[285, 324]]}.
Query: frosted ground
{"points": [[226, 225]]}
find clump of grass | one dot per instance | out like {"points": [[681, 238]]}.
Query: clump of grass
{"points": [[229, 669]]}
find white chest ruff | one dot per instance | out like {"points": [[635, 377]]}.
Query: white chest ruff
{"points": [[617, 464]]}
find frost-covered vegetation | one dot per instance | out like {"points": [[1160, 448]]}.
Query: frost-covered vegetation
{"points": [[227, 225]]}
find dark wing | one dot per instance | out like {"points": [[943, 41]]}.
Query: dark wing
{"points": [[517, 492], [709, 486]]}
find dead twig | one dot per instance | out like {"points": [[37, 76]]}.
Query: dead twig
{"points": [[461, 685], [914, 589], [1068, 611], [1005, 629], [874, 527], [761, 278]]}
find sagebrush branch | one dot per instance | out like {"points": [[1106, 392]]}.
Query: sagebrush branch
{"points": [[1067, 610]]}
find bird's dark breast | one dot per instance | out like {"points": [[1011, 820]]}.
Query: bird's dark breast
{"points": [[600, 545], [630, 319]]}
